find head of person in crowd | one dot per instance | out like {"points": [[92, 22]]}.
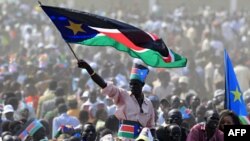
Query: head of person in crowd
{"points": [[59, 100], [228, 117], [5, 126], [210, 105], [89, 132], [14, 102], [105, 134], [188, 99], [138, 76], [164, 77], [112, 123], [195, 102], [41, 75], [211, 122], [164, 105], [4, 133], [59, 92], [200, 113], [64, 84], [101, 114], [218, 96], [183, 83], [53, 85], [72, 103], [85, 95], [174, 132], [147, 90], [62, 108], [24, 112], [7, 95], [8, 112], [15, 86], [30, 90], [155, 101], [83, 117], [15, 126], [175, 101], [174, 116], [9, 137], [93, 96]]}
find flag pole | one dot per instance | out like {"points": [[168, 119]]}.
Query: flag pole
{"points": [[225, 79], [39, 2], [72, 51]]}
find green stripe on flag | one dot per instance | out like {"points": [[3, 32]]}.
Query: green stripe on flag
{"points": [[244, 120], [126, 135], [149, 57]]}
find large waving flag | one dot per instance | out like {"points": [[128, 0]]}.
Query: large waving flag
{"points": [[93, 30], [234, 98]]}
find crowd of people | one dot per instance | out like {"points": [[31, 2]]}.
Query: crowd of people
{"points": [[46, 94]]}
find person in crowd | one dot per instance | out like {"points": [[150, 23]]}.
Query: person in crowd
{"points": [[8, 113], [50, 104], [164, 108], [228, 117], [165, 88], [200, 113], [53, 113], [83, 118], [106, 135], [208, 130], [218, 99], [73, 107], [112, 123], [101, 117], [175, 101], [174, 116], [63, 119], [92, 105], [195, 102], [156, 104], [89, 132], [183, 83], [132, 107], [47, 95]]}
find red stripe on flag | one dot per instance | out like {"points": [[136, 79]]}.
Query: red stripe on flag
{"points": [[31, 126], [127, 128], [123, 39]]}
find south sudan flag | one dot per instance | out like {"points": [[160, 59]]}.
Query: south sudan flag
{"points": [[93, 30]]}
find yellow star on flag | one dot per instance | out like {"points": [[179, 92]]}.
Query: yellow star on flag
{"points": [[237, 95], [75, 27]]}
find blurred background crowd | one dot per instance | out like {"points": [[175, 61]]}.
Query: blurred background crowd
{"points": [[39, 77]]}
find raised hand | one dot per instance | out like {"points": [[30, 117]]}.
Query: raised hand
{"points": [[83, 64]]}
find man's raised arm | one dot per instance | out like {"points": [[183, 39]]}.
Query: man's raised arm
{"points": [[94, 76]]}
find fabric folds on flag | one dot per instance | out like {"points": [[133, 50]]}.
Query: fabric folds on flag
{"points": [[93, 30], [233, 95]]}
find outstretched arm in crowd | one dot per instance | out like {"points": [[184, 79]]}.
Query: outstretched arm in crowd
{"points": [[95, 77]]}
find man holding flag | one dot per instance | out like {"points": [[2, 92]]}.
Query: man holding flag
{"points": [[233, 95], [134, 110]]}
